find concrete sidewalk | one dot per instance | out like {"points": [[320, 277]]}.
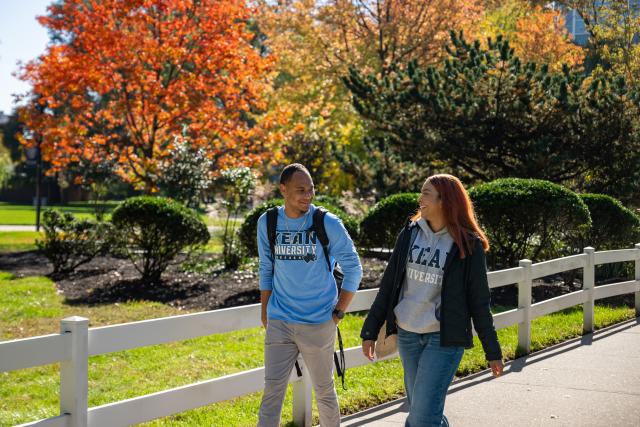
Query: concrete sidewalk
{"points": [[17, 228], [589, 381]]}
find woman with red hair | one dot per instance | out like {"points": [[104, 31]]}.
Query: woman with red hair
{"points": [[433, 287]]}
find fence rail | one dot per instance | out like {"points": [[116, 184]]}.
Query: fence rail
{"points": [[76, 342]]}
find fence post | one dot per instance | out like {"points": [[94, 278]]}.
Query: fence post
{"points": [[302, 397], [74, 372], [524, 303], [637, 279], [588, 283]]}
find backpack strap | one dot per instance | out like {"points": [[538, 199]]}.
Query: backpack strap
{"points": [[321, 232], [338, 359], [272, 222]]}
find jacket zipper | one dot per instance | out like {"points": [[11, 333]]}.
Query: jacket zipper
{"points": [[447, 264]]}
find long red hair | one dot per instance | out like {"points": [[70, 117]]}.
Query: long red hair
{"points": [[458, 211]]}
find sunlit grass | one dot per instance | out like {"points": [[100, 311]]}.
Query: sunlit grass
{"points": [[16, 214], [16, 241], [12, 214]]}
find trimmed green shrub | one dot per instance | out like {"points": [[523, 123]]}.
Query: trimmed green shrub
{"points": [[613, 225], [184, 175], [529, 218], [236, 184], [154, 230], [249, 228], [383, 222], [70, 242], [351, 224], [326, 200]]}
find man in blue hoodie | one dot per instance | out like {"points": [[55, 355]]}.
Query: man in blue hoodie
{"points": [[300, 302]]}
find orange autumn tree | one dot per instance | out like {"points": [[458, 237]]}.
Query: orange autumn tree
{"points": [[376, 35], [537, 34], [543, 38], [316, 41], [122, 78]]}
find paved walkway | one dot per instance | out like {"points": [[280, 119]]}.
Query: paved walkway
{"points": [[589, 381], [17, 228]]}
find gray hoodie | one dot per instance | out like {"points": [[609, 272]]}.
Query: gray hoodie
{"points": [[418, 309]]}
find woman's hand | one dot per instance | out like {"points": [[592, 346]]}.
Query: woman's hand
{"points": [[496, 367], [368, 348]]}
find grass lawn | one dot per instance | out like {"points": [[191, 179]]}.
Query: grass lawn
{"points": [[31, 306], [15, 241], [219, 222], [12, 214], [214, 246]]}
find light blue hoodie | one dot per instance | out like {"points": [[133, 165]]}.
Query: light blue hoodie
{"points": [[304, 290]]}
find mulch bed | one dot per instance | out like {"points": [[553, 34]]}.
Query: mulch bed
{"points": [[106, 280]]}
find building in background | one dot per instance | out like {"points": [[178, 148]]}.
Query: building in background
{"points": [[576, 26], [4, 119]]}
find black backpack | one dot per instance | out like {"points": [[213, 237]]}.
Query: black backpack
{"points": [[317, 225]]}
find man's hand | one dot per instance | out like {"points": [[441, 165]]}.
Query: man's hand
{"points": [[335, 319], [343, 302], [368, 348], [264, 300], [496, 367]]}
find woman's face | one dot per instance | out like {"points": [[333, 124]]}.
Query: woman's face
{"points": [[430, 202]]}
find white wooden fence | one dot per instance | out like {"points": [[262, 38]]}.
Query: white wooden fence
{"points": [[76, 342]]}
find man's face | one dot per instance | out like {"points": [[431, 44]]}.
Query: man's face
{"points": [[298, 192]]}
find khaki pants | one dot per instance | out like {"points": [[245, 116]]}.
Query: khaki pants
{"points": [[283, 342]]}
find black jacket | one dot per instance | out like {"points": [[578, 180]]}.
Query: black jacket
{"points": [[465, 296]]}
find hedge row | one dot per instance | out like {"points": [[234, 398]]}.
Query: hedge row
{"points": [[523, 218], [527, 218]]}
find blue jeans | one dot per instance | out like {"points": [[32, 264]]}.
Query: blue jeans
{"points": [[428, 372]]}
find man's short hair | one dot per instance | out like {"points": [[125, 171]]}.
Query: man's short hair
{"points": [[289, 170]]}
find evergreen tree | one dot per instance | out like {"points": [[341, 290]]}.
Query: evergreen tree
{"points": [[487, 115]]}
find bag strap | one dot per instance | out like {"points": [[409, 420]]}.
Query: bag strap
{"points": [[272, 223], [321, 232], [339, 361]]}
